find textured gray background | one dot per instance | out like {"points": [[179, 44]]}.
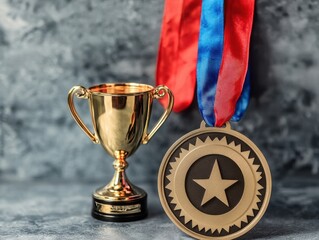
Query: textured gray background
{"points": [[48, 46]]}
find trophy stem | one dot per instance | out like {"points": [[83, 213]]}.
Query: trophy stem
{"points": [[119, 200], [119, 184], [119, 181]]}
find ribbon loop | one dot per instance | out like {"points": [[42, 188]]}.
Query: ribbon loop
{"points": [[238, 25], [208, 40], [210, 50], [177, 54]]}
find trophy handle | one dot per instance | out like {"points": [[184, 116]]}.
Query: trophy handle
{"points": [[160, 92], [82, 93]]}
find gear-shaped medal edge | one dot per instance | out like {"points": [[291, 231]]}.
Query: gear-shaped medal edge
{"points": [[183, 213]]}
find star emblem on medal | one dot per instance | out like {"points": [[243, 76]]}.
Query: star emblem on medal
{"points": [[215, 186], [214, 183]]}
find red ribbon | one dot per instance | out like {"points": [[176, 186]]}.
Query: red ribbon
{"points": [[177, 54], [238, 25]]}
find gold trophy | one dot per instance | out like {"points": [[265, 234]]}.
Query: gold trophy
{"points": [[120, 115]]}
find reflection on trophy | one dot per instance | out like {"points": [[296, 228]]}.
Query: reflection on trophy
{"points": [[120, 115]]}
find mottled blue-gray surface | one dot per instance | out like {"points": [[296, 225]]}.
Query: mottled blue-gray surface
{"points": [[48, 46], [62, 211]]}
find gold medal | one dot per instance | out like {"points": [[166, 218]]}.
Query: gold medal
{"points": [[214, 183]]}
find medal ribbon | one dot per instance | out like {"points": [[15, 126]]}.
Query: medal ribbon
{"points": [[177, 54], [223, 49], [222, 59], [233, 70], [210, 51]]}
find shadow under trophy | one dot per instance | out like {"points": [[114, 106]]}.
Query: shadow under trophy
{"points": [[120, 115]]}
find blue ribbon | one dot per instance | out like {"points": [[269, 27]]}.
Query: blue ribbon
{"points": [[210, 51]]}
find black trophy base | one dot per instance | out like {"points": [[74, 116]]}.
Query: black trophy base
{"points": [[120, 211]]}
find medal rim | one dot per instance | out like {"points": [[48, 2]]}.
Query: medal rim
{"points": [[202, 130]]}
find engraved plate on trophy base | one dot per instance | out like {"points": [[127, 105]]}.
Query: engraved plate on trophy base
{"points": [[120, 211]]}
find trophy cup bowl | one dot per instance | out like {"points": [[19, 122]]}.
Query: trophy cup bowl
{"points": [[120, 115]]}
